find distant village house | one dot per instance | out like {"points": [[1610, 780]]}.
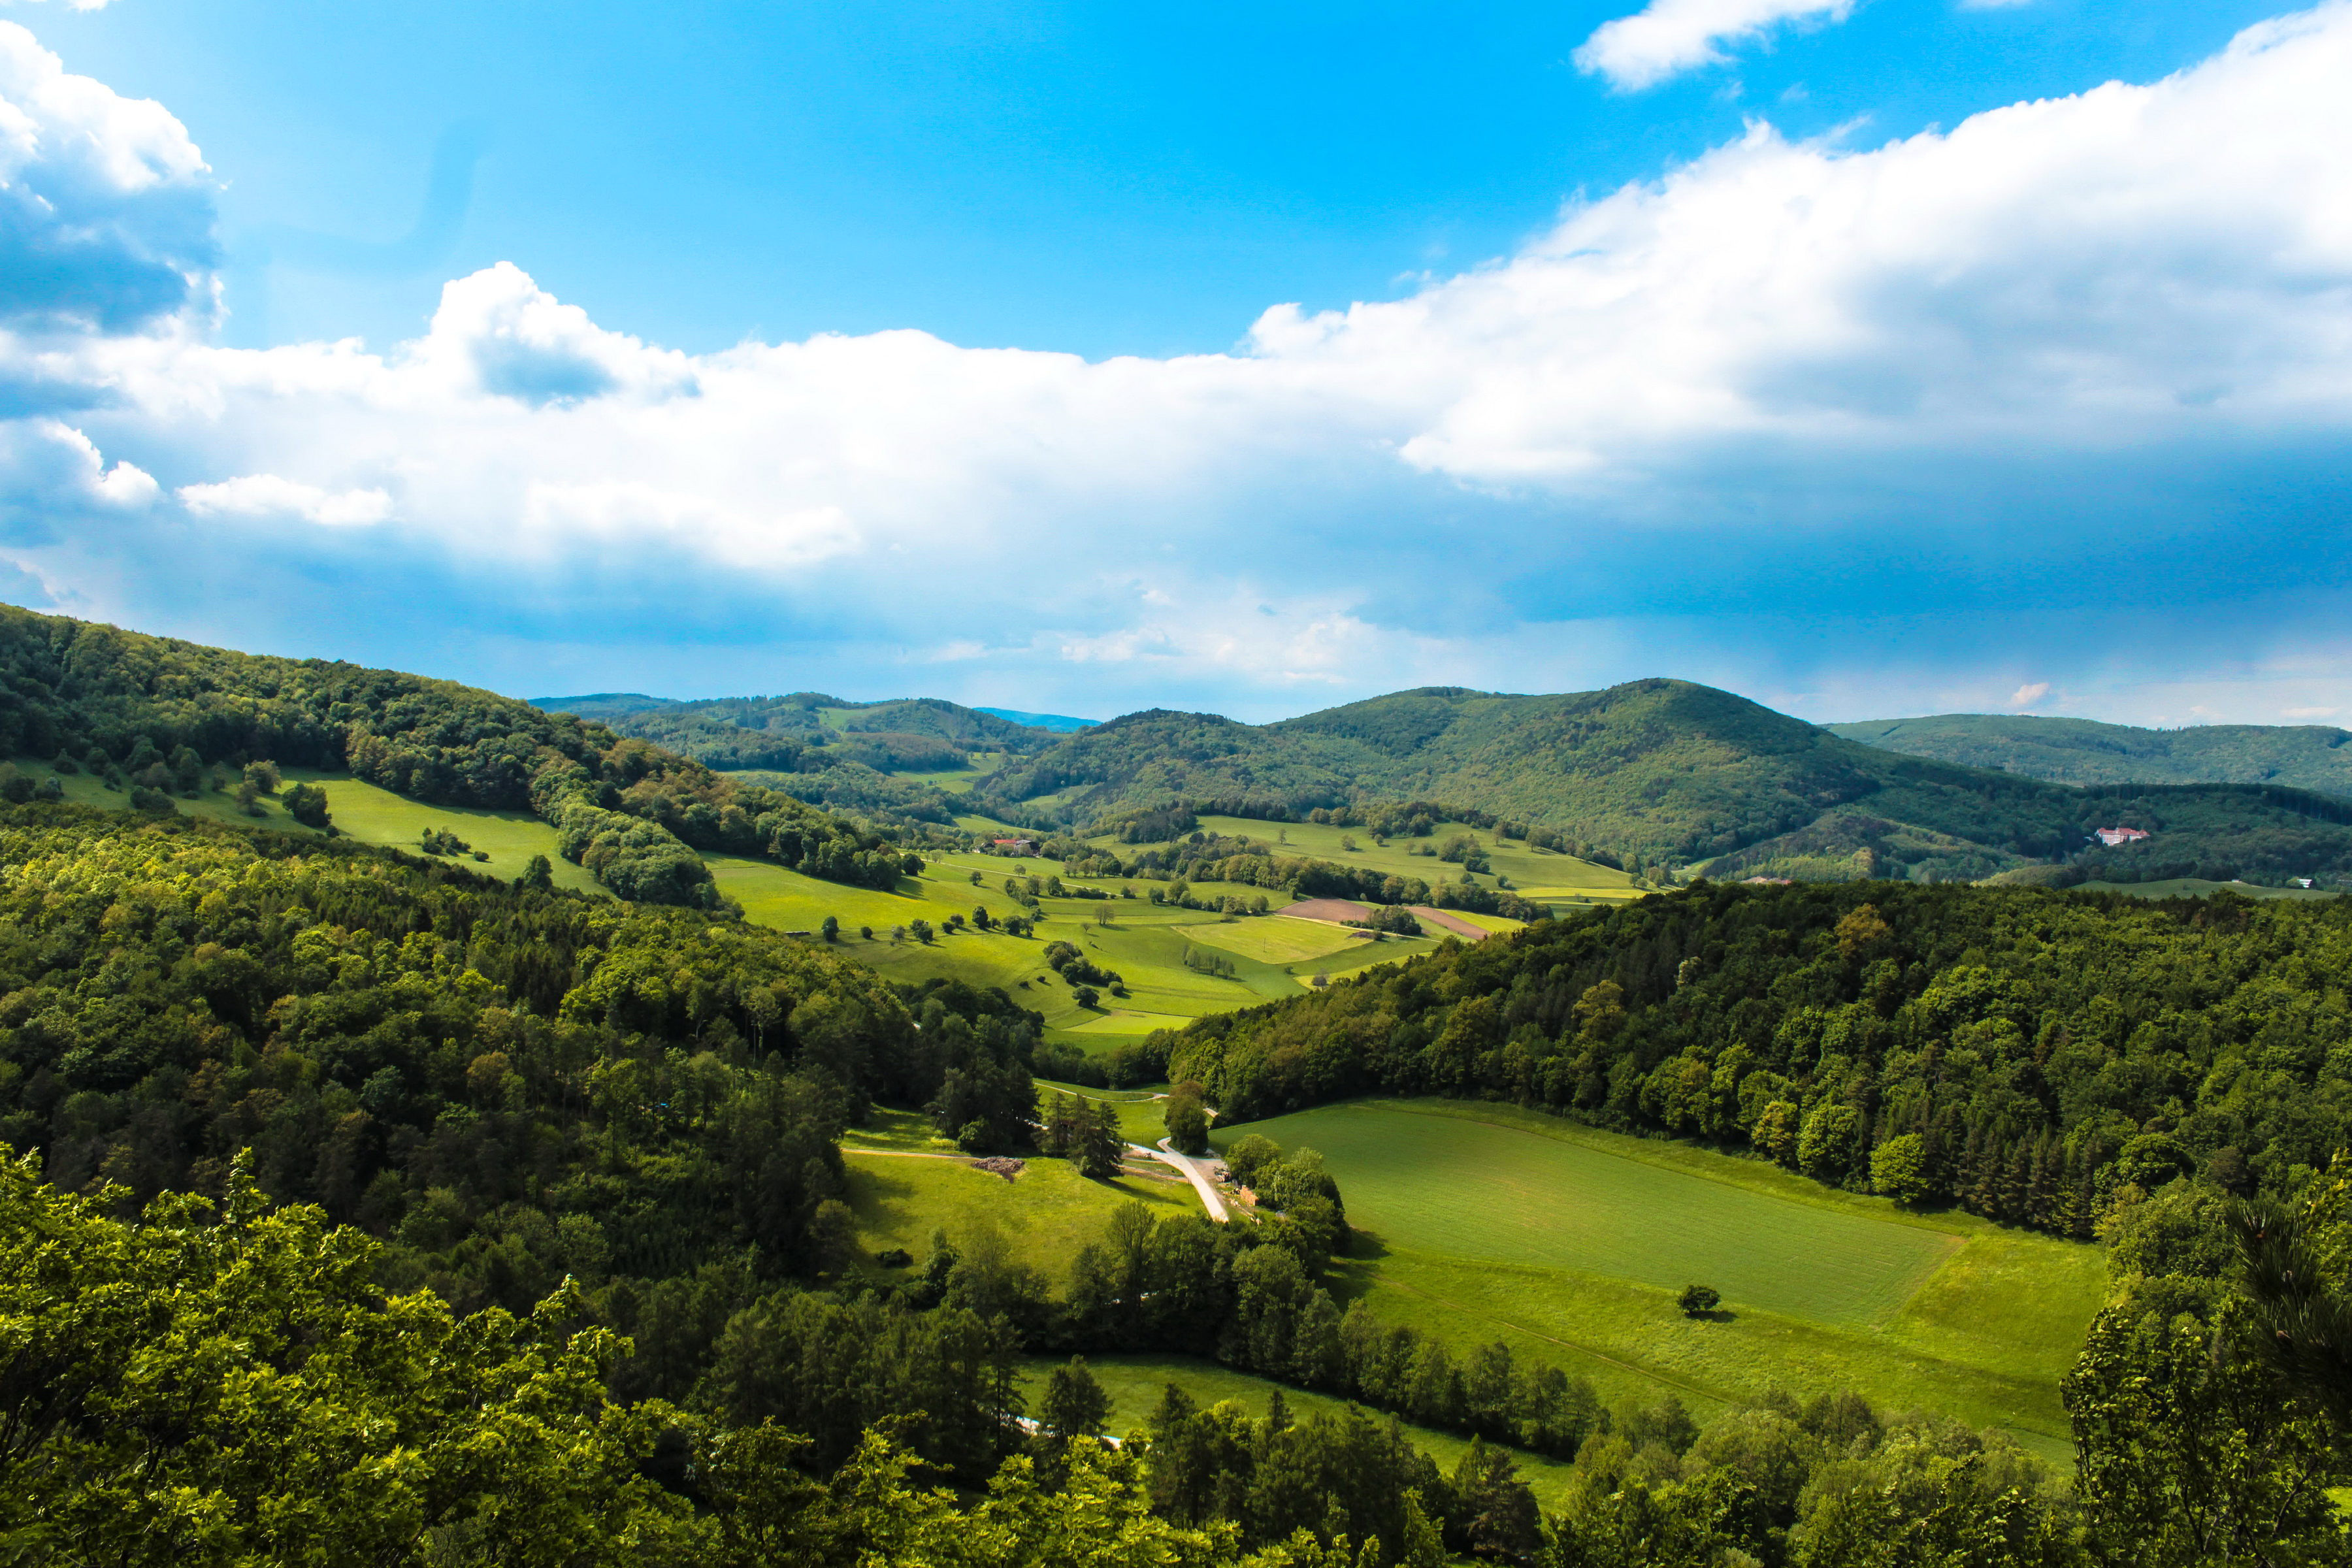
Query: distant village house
{"points": [[2111, 836], [1014, 845]]}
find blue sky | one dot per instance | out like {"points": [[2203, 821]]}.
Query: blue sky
{"points": [[1084, 358]]}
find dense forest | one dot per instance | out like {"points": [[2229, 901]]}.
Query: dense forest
{"points": [[322, 1417], [822, 749], [154, 712], [2085, 751], [2023, 1053], [1667, 771], [489, 1223]]}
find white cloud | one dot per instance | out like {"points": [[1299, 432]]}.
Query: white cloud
{"points": [[1670, 36], [1756, 339], [71, 4], [106, 212], [2310, 712], [268, 496], [2027, 696]]}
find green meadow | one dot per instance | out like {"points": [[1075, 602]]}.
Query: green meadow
{"points": [[1041, 1216], [1538, 874], [506, 839], [1142, 1115], [1136, 1383], [2197, 886], [1483, 1221], [1143, 942]]}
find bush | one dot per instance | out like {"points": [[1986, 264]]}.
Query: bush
{"points": [[307, 803], [1696, 1300], [1898, 1169]]}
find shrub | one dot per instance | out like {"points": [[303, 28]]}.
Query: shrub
{"points": [[1698, 1299]]}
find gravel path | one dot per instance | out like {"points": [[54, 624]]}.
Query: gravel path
{"points": [[1196, 1171]]}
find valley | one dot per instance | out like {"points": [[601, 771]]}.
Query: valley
{"points": [[1475, 1218], [1668, 1151]]}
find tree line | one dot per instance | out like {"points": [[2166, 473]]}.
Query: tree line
{"points": [[630, 811], [2025, 1054]]}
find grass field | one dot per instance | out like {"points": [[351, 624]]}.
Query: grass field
{"points": [[371, 815], [1135, 1383], [1483, 1221], [1142, 1117], [2196, 888], [1537, 874], [1144, 943], [1043, 1215]]}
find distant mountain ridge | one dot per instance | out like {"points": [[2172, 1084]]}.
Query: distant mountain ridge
{"points": [[821, 748], [2086, 751], [1668, 771], [1061, 724]]}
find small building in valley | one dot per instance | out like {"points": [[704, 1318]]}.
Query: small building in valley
{"points": [[2111, 836]]}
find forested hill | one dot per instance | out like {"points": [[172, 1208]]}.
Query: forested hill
{"points": [[2084, 751], [2023, 1053], [158, 713], [1667, 770], [825, 749]]}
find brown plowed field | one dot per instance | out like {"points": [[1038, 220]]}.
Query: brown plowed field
{"points": [[1453, 922], [1336, 910]]}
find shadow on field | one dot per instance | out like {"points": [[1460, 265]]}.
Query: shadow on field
{"points": [[1364, 1244]]}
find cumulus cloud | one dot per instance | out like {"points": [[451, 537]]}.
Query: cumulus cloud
{"points": [[268, 495], [2027, 696], [106, 209], [2031, 326], [1670, 36]]}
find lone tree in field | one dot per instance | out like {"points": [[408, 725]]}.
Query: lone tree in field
{"points": [[1699, 1299]]}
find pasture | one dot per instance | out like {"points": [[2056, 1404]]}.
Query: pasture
{"points": [[2197, 886], [1537, 874], [1136, 1383], [1144, 943], [1042, 1217], [369, 814], [1142, 1118], [1482, 1220]]}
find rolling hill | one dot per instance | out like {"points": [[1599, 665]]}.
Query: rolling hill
{"points": [[1667, 771], [2084, 751], [824, 749]]}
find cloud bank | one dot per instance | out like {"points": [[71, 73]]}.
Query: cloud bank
{"points": [[1809, 420], [1670, 36]]}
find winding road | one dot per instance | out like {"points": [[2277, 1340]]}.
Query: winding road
{"points": [[1195, 1171]]}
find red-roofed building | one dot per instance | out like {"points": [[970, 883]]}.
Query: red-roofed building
{"points": [[2111, 836]]}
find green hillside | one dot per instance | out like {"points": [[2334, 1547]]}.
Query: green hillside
{"points": [[893, 760], [1551, 1231], [1663, 772], [2084, 751], [159, 722]]}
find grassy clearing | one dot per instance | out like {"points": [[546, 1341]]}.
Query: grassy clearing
{"points": [[1143, 942], [1487, 1221], [2196, 888], [904, 1131], [1135, 1383], [1276, 939], [371, 816], [1536, 873], [1043, 1215]]}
